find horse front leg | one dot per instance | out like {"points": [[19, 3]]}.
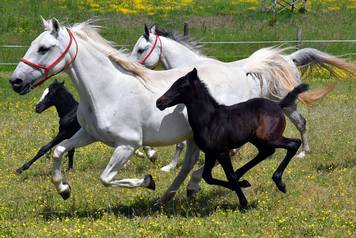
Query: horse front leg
{"points": [[81, 138], [179, 148], [300, 123], [191, 157], [120, 157]]}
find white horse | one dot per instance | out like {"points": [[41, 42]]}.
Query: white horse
{"points": [[117, 97], [176, 51]]}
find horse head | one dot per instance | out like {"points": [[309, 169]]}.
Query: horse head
{"points": [[47, 56]]}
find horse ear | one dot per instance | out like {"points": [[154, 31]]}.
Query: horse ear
{"points": [[147, 33], [153, 29], [46, 24], [194, 74], [55, 26], [63, 82]]}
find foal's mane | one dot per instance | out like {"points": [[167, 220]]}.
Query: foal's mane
{"points": [[205, 90], [184, 40], [89, 32]]}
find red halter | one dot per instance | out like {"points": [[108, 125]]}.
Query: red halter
{"points": [[153, 47], [50, 66]]}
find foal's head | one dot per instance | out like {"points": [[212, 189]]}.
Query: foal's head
{"points": [[50, 96], [182, 91]]}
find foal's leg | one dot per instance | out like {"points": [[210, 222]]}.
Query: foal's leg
{"points": [[191, 157], [120, 157], [179, 148], [300, 123], [263, 153], [210, 161], [59, 137], [196, 176], [81, 138], [292, 146], [70, 156], [225, 162]]}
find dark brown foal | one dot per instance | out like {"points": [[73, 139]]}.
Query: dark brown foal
{"points": [[218, 128]]}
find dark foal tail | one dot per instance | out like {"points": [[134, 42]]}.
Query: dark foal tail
{"points": [[292, 96]]}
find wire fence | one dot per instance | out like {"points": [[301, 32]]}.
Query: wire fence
{"points": [[268, 42]]}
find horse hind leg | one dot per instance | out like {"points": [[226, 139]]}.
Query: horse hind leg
{"points": [[300, 123], [119, 158], [179, 148], [292, 146]]}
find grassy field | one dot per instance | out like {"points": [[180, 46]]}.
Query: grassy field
{"points": [[321, 188]]}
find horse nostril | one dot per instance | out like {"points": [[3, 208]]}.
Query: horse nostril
{"points": [[16, 81]]}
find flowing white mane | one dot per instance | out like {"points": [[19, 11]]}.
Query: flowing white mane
{"points": [[89, 32]]}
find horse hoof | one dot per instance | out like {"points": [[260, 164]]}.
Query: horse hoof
{"points": [[152, 155], [19, 171], [281, 186], [191, 193], [66, 193], [243, 206], [149, 181], [244, 184]]}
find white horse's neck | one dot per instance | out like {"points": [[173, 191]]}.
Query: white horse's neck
{"points": [[175, 54]]}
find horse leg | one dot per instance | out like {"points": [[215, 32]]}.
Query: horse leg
{"points": [[300, 123], [209, 164], [292, 146], [70, 156], [191, 157], [119, 158], [225, 162], [150, 153], [193, 185], [81, 138], [263, 153], [179, 148], [59, 137]]}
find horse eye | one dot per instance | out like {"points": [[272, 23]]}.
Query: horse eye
{"points": [[43, 50], [140, 51]]}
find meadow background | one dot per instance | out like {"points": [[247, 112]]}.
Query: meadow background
{"points": [[321, 188]]}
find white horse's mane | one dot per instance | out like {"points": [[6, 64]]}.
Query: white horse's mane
{"points": [[89, 32], [267, 62], [188, 42]]}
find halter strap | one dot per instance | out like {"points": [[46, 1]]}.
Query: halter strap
{"points": [[54, 63], [153, 47]]}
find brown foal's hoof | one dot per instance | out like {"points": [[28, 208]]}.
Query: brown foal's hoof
{"points": [[244, 184]]}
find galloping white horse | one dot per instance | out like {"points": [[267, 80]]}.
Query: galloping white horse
{"points": [[176, 51], [117, 97]]}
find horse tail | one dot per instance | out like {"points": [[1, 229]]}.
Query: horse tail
{"points": [[316, 94], [292, 96], [276, 74], [308, 58]]}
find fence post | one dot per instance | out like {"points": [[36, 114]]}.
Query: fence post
{"points": [[186, 29], [298, 45]]}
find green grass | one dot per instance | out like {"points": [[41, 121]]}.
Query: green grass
{"points": [[321, 188], [320, 199]]}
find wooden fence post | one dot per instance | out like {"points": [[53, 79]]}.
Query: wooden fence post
{"points": [[298, 45], [186, 29]]}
